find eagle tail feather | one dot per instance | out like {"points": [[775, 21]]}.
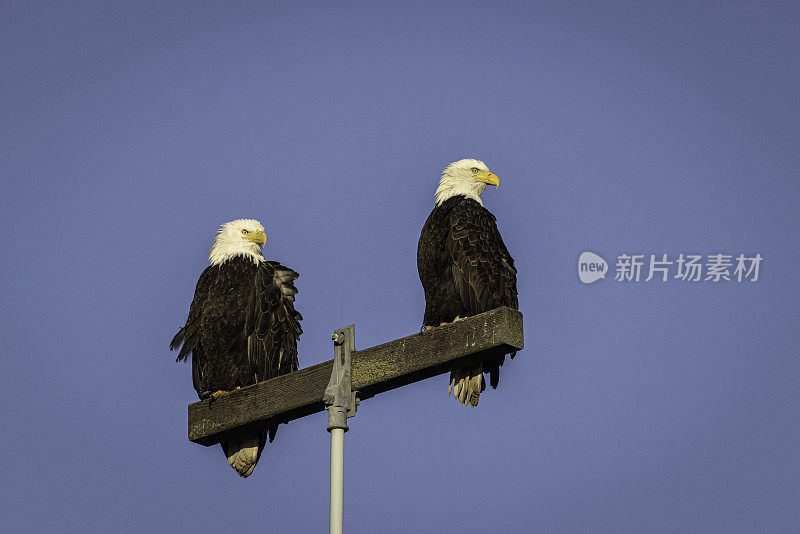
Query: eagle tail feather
{"points": [[243, 452]]}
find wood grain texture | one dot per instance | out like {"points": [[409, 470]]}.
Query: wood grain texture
{"points": [[375, 370]]}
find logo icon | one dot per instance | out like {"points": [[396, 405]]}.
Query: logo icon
{"points": [[591, 267]]}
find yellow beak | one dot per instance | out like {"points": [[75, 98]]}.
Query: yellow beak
{"points": [[488, 178], [257, 237]]}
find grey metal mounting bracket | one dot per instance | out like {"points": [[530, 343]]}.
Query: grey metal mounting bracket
{"points": [[340, 400]]}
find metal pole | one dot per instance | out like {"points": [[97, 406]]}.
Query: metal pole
{"points": [[337, 479], [341, 402]]}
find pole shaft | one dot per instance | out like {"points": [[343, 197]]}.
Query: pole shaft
{"points": [[337, 479]]}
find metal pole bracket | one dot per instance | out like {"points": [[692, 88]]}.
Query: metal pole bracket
{"points": [[340, 400]]}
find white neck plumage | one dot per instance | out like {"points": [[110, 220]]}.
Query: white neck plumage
{"points": [[223, 251], [450, 187]]}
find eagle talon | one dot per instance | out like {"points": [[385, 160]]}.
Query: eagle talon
{"points": [[214, 396]]}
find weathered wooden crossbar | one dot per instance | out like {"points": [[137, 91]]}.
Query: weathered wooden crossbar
{"points": [[374, 370]]}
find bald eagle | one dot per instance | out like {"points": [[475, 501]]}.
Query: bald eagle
{"points": [[464, 266], [242, 327]]}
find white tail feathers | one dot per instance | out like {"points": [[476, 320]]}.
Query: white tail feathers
{"points": [[243, 454], [466, 385]]}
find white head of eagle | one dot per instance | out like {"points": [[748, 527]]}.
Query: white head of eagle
{"points": [[242, 237], [468, 177]]}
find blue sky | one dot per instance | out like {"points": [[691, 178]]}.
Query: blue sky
{"points": [[132, 131]]}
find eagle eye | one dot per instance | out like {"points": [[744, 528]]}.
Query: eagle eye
{"points": [[245, 232], [474, 169]]}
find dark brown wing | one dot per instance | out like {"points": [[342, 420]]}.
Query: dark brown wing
{"points": [[189, 335], [273, 324], [483, 271]]}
